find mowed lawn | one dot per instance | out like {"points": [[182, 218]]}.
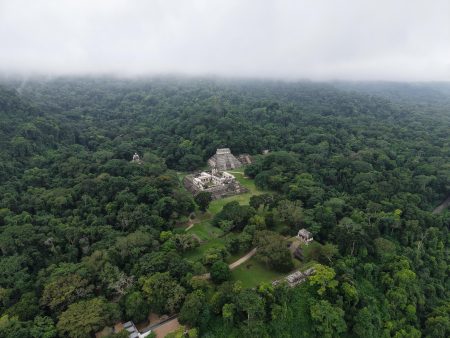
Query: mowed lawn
{"points": [[217, 205], [252, 273], [205, 231]]}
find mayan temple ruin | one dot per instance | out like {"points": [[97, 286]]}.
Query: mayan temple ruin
{"points": [[217, 181], [223, 160]]}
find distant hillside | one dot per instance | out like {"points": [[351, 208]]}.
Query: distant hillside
{"points": [[422, 94]]}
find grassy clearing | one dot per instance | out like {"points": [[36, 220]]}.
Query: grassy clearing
{"points": [[217, 205], [205, 231], [247, 182], [252, 273], [200, 251]]}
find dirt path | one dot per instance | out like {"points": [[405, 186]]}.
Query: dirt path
{"points": [[243, 259], [444, 205], [233, 265], [164, 329], [191, 223]]}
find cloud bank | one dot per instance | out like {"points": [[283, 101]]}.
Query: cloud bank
{"points": [[304, 39]]}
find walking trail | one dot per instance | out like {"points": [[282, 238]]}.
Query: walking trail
{"points": [[191, 223], [233, 265], [243, 259], [444, 205]]}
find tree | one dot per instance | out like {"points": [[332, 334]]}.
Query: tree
{"points": [[43, 327], [228, 313], [328, 319], [185, 242], [220, 272], [12, 327], [290, 212], [84, 318], [136, 307], [213, 255], [132, 246], [324, 278], [368, 322], [64, 290], [273, 250], [321, 253], [350, 235], [114, 280], [238, 214], [26, 308], [203, 199], [249, 302], [256, 201], [438, 323], [163, 293], [192, 308]]}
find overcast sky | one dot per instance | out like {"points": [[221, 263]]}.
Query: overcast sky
{"points": [[298, 39]]}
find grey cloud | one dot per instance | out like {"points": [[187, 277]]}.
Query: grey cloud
{"points": [[320, 39]]}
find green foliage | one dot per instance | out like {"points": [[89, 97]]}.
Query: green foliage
{"points": [[328, 319], [273, 251], [43, 327], [323, 277], [237, 214], [64, 290], [362, 172], [163, 292], [203, 199], [220, 272], [12, 327], [136, 307], [180, 333], [84, 318], [191, 310]]}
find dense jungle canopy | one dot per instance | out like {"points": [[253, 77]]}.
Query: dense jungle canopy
{"points": [[88, 238]]}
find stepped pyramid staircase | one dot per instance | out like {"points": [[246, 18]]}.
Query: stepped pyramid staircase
{"points": [[223, 160]]}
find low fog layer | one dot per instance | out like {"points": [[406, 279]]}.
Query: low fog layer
{"points": [[320, 40]]}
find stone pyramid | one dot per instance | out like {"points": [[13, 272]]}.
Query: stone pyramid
{"points": [[223, 160]]}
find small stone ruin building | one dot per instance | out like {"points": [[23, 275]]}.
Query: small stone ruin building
{"points": [[295, 278], [245, 159], [223, 160], [305, 236], [136, 159]]}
